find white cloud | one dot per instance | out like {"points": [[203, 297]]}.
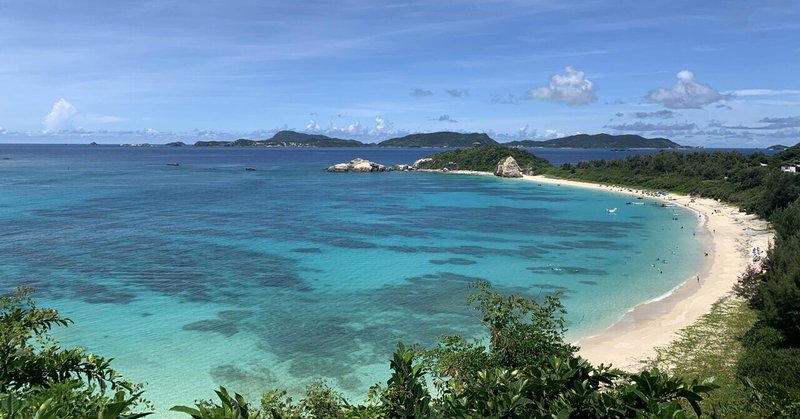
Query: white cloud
{"points": [[60, 117], [353, 128], [382, 126], [312, 126], [686, 93], [572, 88]]}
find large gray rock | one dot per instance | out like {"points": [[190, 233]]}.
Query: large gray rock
{"points": [[357, 165], [341, 167], [507, 167], [361, 166], [420, 161]]}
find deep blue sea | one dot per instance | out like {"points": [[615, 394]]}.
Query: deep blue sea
{"points": [[203, 274]]}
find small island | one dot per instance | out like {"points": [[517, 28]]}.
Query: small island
{"points": [[447, 139], [599, 141], [777, 147], [286, 139], [440, 139]]}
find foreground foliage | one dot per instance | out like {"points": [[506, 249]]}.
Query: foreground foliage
{"points": [[40, 379], [525, 370]]}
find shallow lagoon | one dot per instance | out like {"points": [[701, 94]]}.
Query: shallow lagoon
{"points": [[204, 274]]}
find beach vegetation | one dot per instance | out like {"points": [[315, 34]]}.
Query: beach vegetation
{"points": [[754, 181]]}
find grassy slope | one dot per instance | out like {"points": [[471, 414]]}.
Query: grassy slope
{"points": [[710, 348]]}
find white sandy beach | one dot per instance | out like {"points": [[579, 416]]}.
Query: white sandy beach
{"points": [[731, 236]]}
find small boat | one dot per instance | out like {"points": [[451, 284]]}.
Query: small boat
{"points": [[635, 203], [611, 210], [173, 164]]}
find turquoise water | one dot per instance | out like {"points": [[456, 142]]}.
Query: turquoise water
{"points": [[204, 274]]}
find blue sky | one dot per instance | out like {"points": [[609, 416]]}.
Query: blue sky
{"points": [[711, 73]]}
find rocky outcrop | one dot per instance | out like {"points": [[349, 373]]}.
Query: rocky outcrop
{"points": [[508, 167], [400, 168], [340, 167], [419, 162], [358, 165]]}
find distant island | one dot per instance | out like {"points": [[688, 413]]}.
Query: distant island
{"points": [[777, 147], [175, 144], [447, 139], [286, 139], [599, 141], [440, 139]]}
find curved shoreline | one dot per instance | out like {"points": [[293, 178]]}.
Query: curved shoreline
{"points": [[728, 236]]}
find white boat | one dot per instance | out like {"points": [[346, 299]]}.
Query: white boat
{"points": [[611, 210]]}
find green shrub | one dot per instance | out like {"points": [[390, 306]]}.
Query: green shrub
{"points": [[39, 378]]}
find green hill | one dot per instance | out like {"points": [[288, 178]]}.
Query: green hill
{"points": [[790, 155], [285, 139], [211, 143], [599, 141], [778, 147], [439, 139], [299, 139], [484, 159]]}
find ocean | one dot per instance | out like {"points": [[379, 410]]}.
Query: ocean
{"points": [[203, 274]]}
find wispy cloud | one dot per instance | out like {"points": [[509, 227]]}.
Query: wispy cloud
{"points": [[572, 87], [772, 123], [103, 119], [504, 100], [645, 127], [443, 118], [763, 92], [457, 93], [662, 114], [420, 93]]}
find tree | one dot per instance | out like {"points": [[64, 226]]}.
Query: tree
{"points": [[522, 332]]}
